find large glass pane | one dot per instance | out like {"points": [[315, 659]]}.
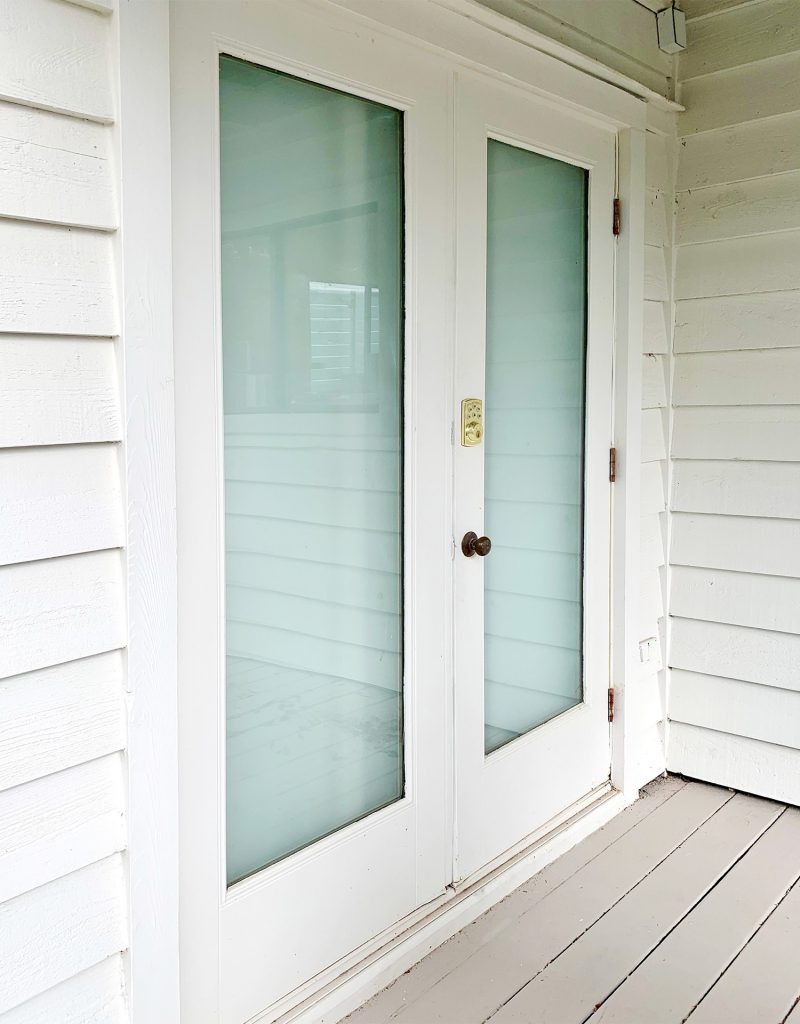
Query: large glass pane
{"points": [[312, 255], [535, 370]]}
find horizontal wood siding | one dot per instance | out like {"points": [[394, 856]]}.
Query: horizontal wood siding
{"points": [[735, 577], [63, 919]]}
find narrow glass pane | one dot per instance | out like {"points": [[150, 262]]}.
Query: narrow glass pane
{"points": [[312, 353], [535, 370]]}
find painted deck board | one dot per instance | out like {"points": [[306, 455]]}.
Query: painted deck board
{"points": [[478, 986], [668, 913], [771, 958], [414, 983], [679, 972], [586, 973]]}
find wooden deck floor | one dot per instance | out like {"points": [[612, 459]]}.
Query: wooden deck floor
{"points": [[685, 906]]}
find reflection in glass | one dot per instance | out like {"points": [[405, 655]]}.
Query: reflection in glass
{"points": [[535, 371], [312, 242]]}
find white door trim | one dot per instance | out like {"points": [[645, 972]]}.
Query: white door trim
{"points": [[370, 969], [144, 153]]}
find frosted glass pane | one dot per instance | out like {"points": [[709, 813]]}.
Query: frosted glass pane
{"points": [[535, 370], [312, 243]]}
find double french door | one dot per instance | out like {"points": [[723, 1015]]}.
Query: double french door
{"points": [[393, 313]]}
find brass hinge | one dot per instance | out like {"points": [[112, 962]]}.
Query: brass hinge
{"points": [[616, 217], [612, 464], [611, 703]]}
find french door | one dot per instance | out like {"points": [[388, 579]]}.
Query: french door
{"points": [[312, 240], [534, 309], [365, 236]]}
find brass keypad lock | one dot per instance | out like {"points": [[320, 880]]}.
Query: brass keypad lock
{"points": [[471, 422]]}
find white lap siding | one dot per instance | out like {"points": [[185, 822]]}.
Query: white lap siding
{"points": [[735, 554], [63, 924]]}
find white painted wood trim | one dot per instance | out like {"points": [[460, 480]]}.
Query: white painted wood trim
{"points": [[483, 40], [536, 40], [360, 976], [626, 492], [145, 286]]}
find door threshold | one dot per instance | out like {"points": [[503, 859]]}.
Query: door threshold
{"points": [[354, 979]]}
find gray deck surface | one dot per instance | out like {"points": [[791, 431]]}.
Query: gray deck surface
{"points": [[685, 906]]}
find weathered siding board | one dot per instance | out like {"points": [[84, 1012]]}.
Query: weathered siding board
{"points": [[752, 31], [760, 433], [760, 377], [58, 391], [57, 280], [739, 599], [742, 543], [59, 610], [655, 274], [749, 207], [55, 56], [653, 446], [653, 499], [59, 824], [737, 488], [656, 228], [765, 769], [60, 716], [95, 996], [766, 713], [59, 501], [752, 150], [654, 338], [54, 168], [760, 263], [746, 93], [654, 391], [732, 322], [736, 652], [59, 929], [62, 670]]}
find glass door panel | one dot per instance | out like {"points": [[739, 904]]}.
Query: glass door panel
{"points": [[534, 442], [312, 359]]}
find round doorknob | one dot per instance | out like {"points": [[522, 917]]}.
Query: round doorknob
{"points": [[472, 544]]}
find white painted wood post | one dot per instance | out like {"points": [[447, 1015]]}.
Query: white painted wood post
{"points": [[145, 288]]}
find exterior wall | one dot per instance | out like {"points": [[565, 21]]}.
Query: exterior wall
{"points": [[64, 680], [62, 585], [735, 553]]}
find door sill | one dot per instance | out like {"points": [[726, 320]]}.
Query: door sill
{"points": [[354, 979]]}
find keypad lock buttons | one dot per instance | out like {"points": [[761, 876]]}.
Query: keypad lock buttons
{"points": [[471, 422]]}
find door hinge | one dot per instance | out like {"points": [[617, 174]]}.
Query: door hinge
{"points": [[612, 464], [611, 703], [616, 216]]}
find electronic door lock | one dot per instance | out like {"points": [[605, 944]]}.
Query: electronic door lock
{"points": [[471, 422]]}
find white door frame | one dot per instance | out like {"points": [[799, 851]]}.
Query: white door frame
{"points": [[469, 36]]}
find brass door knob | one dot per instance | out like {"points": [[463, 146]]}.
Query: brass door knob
{"points": [[472, 544]]}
